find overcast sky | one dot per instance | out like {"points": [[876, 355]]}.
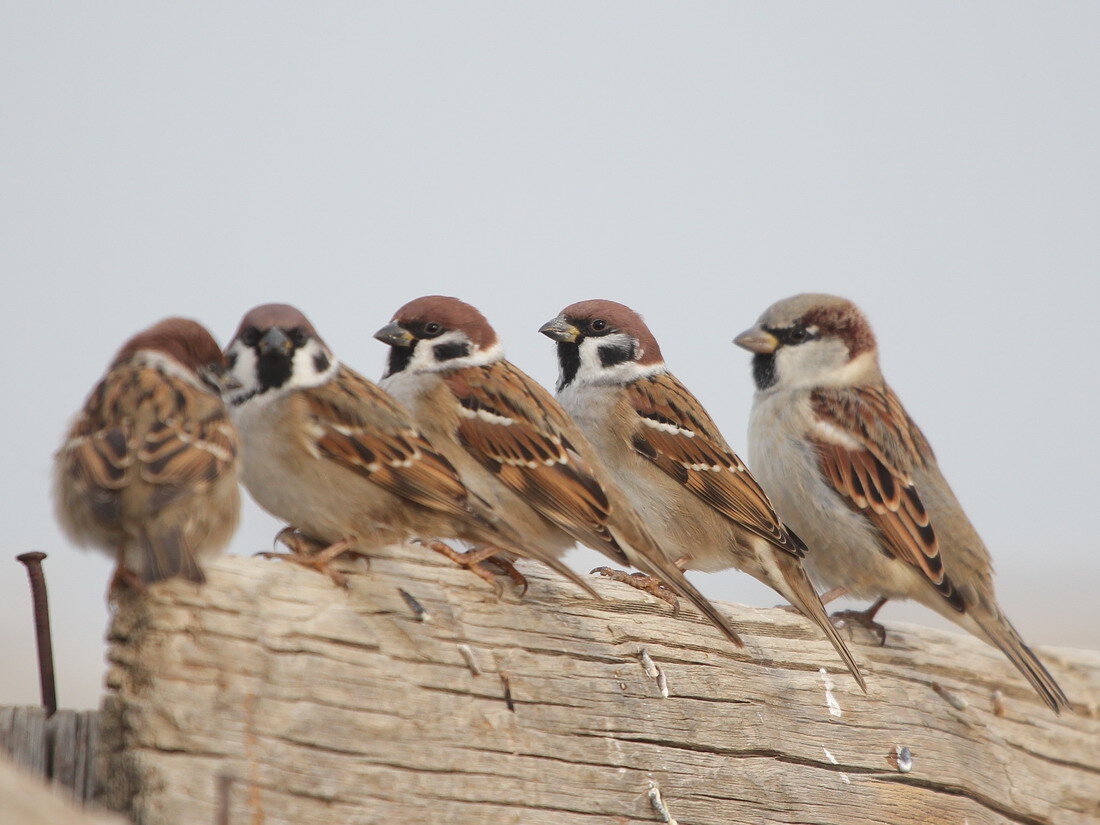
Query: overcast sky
{"points": [[935, 162]]}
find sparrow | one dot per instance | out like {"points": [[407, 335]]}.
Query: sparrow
{"points": [[514, 445], [148, 470], [699, 499], [854, 475], [341, 461]]}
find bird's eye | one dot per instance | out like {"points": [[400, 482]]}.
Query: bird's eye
{"points": [[297, 336], [250, 337], [598, 325], [432, 328], [798, 335]]}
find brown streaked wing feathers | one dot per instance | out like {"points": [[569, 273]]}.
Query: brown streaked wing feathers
{"points": [[876, 478], [364, 430], [703, 462], [516, 429], [143, 426]]}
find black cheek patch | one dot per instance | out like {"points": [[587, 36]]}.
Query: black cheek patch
{"points": [[398, 360], [763, 370], [320, 362], [569, 359], [612, 354], [448, 352]]}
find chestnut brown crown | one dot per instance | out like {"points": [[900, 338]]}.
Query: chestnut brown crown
{"points": [[281, 316], [617, 317], [451, 314], [187, 342]]}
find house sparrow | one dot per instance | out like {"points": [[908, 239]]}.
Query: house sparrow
{"points": [[327, 451], [849, 470], [513, 444], [148, 471], [696, 495]]}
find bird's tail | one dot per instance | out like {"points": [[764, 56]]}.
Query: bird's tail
{"points": [[999, 632], [167, 555], [656, 564], [799, 591]]}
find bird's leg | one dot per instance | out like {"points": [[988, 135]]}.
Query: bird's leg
{"points": [[864, 618], [834, 594], [472, 561], [312, 554], [641, 581]]}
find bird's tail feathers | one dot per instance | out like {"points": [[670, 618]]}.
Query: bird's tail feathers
{"points": [[167, 555], [799, 591], [656, 564], [999, 631]]}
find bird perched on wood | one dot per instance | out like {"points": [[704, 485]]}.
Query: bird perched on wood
{"points": [[148, 471], [513, 444], [341, 461], [852, 472], [693, 491]]}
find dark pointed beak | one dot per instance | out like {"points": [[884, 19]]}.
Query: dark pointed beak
{"points": [[395, 335], [757, 340], [275, 342], [560, 330]]}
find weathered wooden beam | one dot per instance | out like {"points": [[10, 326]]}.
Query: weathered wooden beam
{"points": [[330, 706]]}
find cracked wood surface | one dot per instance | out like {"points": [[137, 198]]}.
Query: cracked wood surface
{"points": [[330, 706]]}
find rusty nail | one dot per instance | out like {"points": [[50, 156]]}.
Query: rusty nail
{"points": [[33, 563], [421, 612], [506, 683]]}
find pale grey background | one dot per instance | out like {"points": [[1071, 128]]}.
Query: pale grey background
{"points": [[936, 162]]}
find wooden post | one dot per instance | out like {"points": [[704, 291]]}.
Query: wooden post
{"points": [[289, 700]]}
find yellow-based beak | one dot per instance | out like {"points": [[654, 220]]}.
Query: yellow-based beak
{"points": [[395, 335], [275, 342], [560, 330], [757, 340]]}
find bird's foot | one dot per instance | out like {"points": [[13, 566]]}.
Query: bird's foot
{"points": [[864, 619], [311, 554], [472, 561], [641, 581], [506, 566]]}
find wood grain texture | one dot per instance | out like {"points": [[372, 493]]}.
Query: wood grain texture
{"points": [[330, 706], [62, 748]]}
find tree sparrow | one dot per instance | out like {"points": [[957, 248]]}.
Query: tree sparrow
{"points": [[148, 471], [696, 495], [513, 444], [849, 469], [327, 451]]}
